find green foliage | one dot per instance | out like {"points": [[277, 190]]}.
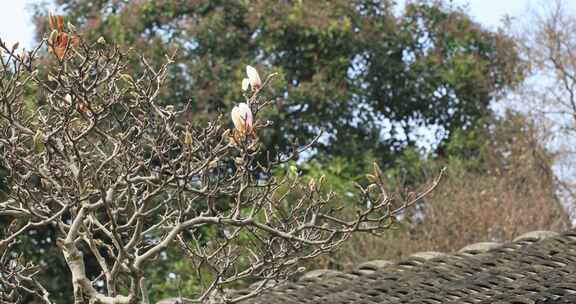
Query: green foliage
{"points": [[339, 173], [466, 148], [498, 183], [176, 278], [347, 66]]}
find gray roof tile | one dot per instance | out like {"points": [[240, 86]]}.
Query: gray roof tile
{"points": [[537, 267]]}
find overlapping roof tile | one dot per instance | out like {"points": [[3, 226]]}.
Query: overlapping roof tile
{"points": [[536, 268]]}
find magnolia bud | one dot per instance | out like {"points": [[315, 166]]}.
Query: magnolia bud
{"points": [[71, 27], [242, 117], [38, 141], [68, 99], [245, 84], [188, 140], [253, 77]]}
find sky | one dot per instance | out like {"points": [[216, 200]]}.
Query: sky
{"points": [[16, 24]]}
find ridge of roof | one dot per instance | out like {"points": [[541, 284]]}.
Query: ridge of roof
{"points": [[537, 267]]}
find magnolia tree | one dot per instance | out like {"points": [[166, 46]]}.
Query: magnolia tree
{"points": [[122, 179]]}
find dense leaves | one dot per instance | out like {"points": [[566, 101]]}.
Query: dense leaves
{"points": [[365, 75], [499, 184]]}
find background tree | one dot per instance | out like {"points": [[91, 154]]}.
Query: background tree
{"points": [[352, 68], [547, 40], [499, 184], [119, 179]]}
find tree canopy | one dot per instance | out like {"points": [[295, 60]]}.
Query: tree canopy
{"points": [[364, 74]]}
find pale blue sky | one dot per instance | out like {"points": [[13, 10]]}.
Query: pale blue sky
{"points": [[15, 23]]}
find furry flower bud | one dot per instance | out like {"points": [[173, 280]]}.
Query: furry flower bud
{"points": [[242, 117], [253, 78]]}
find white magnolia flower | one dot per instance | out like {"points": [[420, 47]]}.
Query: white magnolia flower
{"points": [[68, 99], [245, 84], [253, 78], [242, 117]]}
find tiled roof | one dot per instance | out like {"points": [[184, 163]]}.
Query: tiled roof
{"points": [[538, 267]]}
